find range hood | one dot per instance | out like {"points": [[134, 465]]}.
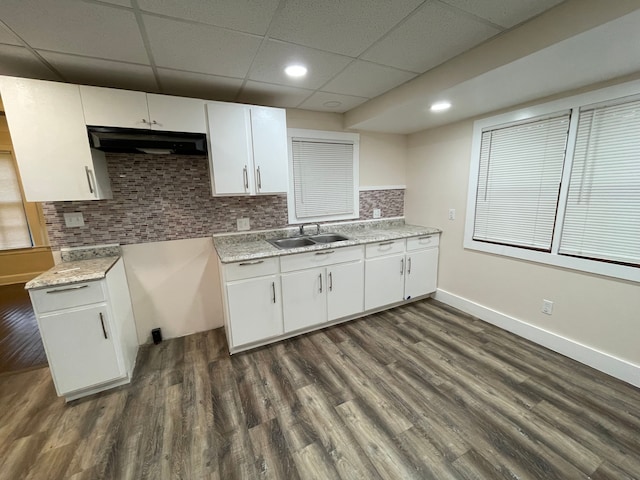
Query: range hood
{"points": [[134, 140]]}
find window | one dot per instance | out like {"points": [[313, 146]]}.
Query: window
{"points": [[14, 229], [560, 183], [323, 172]]}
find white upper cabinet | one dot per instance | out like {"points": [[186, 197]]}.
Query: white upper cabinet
{"points": [[110, 107], [247, 149], [50, 141]]}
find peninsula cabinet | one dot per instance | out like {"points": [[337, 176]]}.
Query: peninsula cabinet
{"points": [[50, 141], [111, 107], [247, 149], [88, 332]]}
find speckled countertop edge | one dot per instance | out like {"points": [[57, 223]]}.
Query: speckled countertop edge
{"points": [[254, 245], [73, 272]]}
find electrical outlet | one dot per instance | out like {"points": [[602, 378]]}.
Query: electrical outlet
{"points": [[452, 214], [377, 213], [243, 224], [74, 219], [547, 307]]}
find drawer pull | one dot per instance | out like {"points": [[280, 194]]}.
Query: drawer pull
{"points": [[273, 289], [104, 330], [244, 264], [78, 287], [385, 243], [325, 253], [425, 238]]}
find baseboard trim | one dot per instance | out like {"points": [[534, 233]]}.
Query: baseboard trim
{"points": [[616, 367]]}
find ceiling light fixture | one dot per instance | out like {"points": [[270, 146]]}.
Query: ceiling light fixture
{"points": [[440, 106], [296, 71]]}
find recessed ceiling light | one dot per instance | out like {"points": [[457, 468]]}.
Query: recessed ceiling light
{"points": [[332, 104], [440, 106], [296, 70]]}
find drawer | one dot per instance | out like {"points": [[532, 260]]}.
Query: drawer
{"points": [[425, 241], [67, 296], [319, 258], [385, 248], [250, 269]]}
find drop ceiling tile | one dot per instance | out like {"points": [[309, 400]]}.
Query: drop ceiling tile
{"points": [[199, 85], [430, 37], [103, 73], [7, 37], [258, 93], [326, 102], [244, 15], [366, 79], [69, 26], [274, 56], [200, 48], [20, 62], [123, 3], [506, 13], [346, 27]]}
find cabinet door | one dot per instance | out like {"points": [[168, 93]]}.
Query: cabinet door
{"points": [[269, 130], [80, 348], [383, 281], [304, 298], [49, 138], [345, 294], [422, 273], [110, 107], [229, 127], [176, 114], [255, 309]]}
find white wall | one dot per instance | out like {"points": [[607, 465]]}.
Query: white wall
{"points": [[600, 313], [174, 285]]}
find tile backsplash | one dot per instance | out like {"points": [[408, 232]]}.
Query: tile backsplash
{"points": [[157, 198]]}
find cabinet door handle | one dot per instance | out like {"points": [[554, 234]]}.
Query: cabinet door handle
{"points": [[273, 289], [330, 282], [259, 178], [244, 264], [245, 176], [87, 172], [409, 266], [385, 243], [78, 287], [325, 253], [425, 238], [104, 330], [401, 266], [320, 282]]}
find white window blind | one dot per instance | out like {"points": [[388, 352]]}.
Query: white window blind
{"points": [[518, 183], [323, 173], [602, 217], [14, 229]]}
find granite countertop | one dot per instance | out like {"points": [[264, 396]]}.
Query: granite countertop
{"points": [[249, 246], [74, 272]]}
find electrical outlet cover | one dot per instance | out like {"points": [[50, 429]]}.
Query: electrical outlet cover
{"points": [[243, 224], [377, 213], [74, 219]]}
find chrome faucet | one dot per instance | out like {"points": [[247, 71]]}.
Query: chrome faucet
{"points": [[301, 228]]}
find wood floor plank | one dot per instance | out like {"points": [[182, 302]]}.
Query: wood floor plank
{"points": [[420, 391]]}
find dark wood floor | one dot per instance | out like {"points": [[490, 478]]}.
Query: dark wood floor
{"points": [[419, 392], [20, 343]]}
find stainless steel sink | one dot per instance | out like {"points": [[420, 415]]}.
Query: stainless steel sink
{"points": [[295, 242], [328, 238]]}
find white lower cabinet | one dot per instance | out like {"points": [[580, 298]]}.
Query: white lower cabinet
{"points": [[422, 273], [88, 332], [254, 309], [345, 295], [384, 281]]}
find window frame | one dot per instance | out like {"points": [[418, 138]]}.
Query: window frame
{"points": [[573, 103], [329, 136]]}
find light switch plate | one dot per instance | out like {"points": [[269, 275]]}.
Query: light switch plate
{"points": [[243, 224], [377, 213], [74, 219]]}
